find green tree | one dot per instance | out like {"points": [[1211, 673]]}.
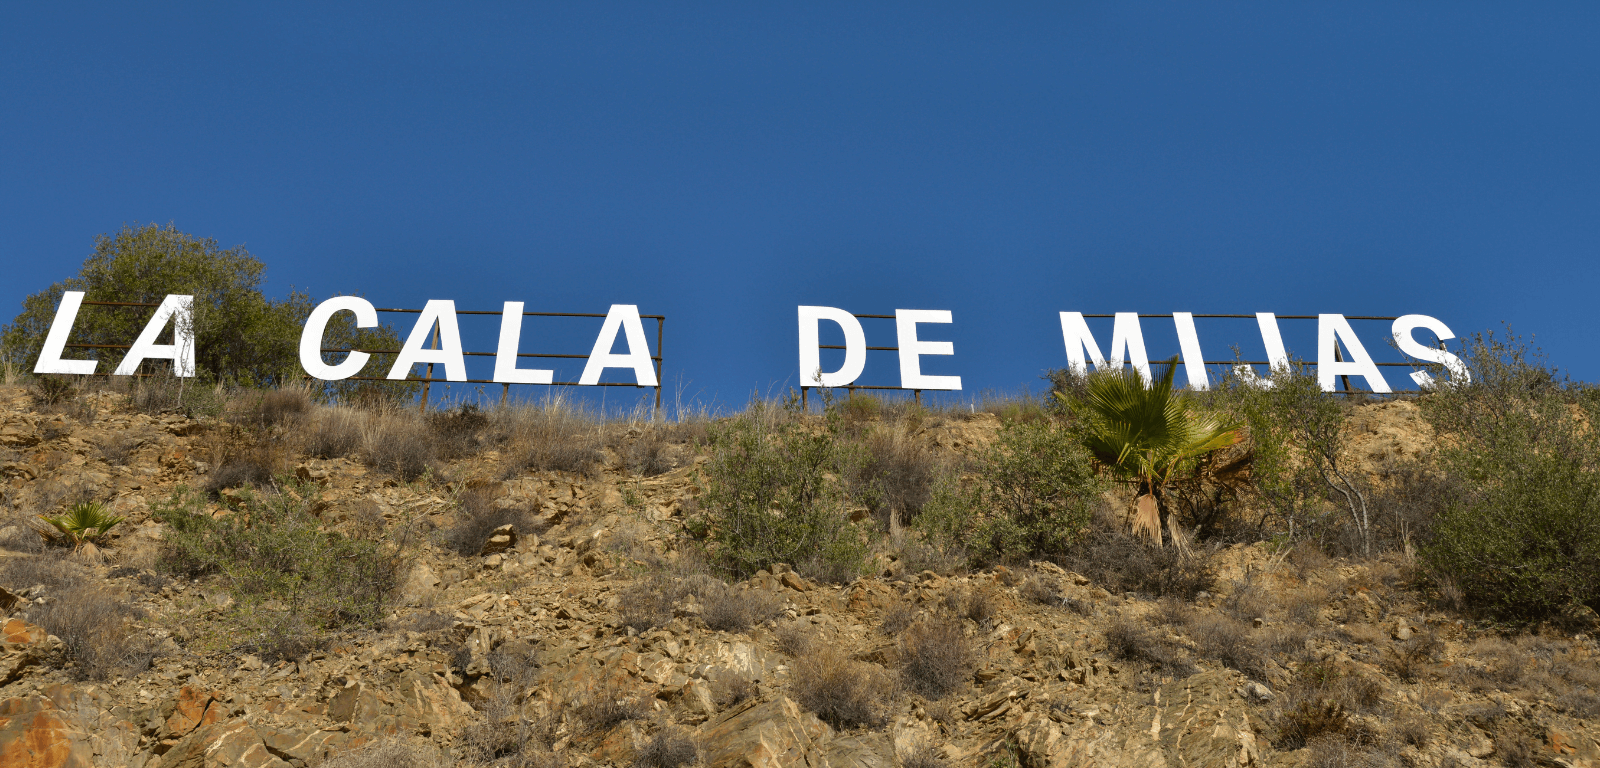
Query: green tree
{"points": [[240, 335]]}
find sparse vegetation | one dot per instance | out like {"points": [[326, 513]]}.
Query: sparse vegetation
{"points": [[842, 692], [935, 657]]}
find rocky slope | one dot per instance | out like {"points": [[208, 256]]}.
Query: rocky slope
{"points": [[533, 651]]}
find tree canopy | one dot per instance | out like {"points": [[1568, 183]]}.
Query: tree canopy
{"points": [[241, 336]]}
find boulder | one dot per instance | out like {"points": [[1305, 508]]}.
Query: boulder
{"points": [[228, 744], [34, 733]]}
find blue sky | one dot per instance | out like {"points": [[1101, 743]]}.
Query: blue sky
{"points": [[723, 163]]}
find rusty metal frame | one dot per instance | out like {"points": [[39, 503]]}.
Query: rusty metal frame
{"points": [[656, 359]]}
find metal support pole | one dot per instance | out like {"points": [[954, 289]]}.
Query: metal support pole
{"points": [[661, 323], [804, 406], [505, 392], [1338, 356]]}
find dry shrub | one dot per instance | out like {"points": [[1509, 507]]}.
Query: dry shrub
{"points": [[648, 453], [477, 517], [554, 438], [1129, 640], [249, 470], [52, 573], [1229, 642], [922, 755], [1304, 605], [670, 747], [981, 605], [729, 609], [390, 753], [795, 639], [337, 434], [732, 688], [118, 448], [1407, 660], [898, 616], [648, 603], [400, 445], [607, 707], [897, 477], [1119, 562], [271, 408], [1038, 589], [94, 626], [841, 691], [1319, 703], [1411, 731], [935, 657], [458, 431]]}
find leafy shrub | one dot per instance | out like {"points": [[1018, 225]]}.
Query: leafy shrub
{"points": [[841, 691], [83, 523], [1522, 542], [768, 496], [669, 747], [1034, 497], [293, 582], [935, 657]]}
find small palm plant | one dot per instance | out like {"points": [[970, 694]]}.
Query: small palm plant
{"points": [[1146, 434], [83, 523]]}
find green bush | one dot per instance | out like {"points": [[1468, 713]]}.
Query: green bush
{"points": [[771, 495], [1522, 539], [293, 583]]}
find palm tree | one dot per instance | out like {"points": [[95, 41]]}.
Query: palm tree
{"points": [[1147, 433]]}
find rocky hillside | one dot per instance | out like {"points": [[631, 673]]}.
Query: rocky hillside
{"points": [[571, 627]]}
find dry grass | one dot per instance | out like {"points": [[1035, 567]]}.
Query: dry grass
{"points": [[477, 517], [1230, 642], [400, 444], [553, 437], [607, 707], [390, 753], [335, 434], [732, 688], [795, 639], [669, 747], [730, 609], [935, 657], [93, 623], [649, 603], [1129, 640], [922, 755], [265, 409], [842, 692], [898, 616]]}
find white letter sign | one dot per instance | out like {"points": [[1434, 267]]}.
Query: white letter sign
{"points": [[911, 350], [505, 358], [1126, 338], [180, 310], [1332, 329], [443, 312], [55, 342], [621, 317], [855, 348], [1404, 325], [317, 325]]}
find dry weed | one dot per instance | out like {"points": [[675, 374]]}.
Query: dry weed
{"points": [[935, 657], [841, 691]]}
